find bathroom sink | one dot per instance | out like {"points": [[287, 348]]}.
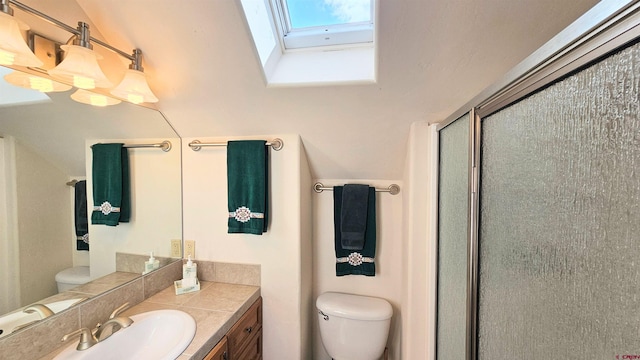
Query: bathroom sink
{"points": [[10, 322], [154, 335]]}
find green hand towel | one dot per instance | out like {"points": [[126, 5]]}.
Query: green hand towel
{"points": [[355, 262], [111, 187], [247, 186]]}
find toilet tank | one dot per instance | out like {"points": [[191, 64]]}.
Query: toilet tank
{"points": [[69, 278], [353, 327]]}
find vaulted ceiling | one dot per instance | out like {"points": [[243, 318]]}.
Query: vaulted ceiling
{"points": [[434, 56]]}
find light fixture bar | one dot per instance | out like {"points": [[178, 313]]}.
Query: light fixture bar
{"points": [[80, 65], [41, 15], [62, 25]]}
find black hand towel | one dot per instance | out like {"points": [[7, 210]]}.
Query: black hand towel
{"points": [[353, 218], [350, 262], [81, 221]]}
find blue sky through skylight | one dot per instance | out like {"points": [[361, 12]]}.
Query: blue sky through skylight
{"points": [[308, 13]]}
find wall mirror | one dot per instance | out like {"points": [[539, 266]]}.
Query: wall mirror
{"points": [[44, 145]]}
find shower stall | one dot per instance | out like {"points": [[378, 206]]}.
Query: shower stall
{"points": [[539, 203]]}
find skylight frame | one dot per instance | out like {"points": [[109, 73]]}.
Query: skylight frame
{"points": [[337, 35]]}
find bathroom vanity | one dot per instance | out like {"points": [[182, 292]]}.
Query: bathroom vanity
{"points": [[229, 295], [228, 319], [244, 340], [227, 313]]}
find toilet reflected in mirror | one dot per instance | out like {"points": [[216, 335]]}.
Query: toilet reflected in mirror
{"points": [[70, 278]]}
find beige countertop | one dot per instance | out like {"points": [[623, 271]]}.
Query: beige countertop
{"points": [[215, 308]]}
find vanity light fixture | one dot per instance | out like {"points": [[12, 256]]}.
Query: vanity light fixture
{"points": [[13, 49], [80, 64], [134, 87], [30, 81], [95, 99]]}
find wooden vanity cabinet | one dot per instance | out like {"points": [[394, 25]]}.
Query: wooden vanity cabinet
{"points": [[244, 340], [219, 352]]}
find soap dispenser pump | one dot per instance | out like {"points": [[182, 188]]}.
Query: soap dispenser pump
{"points": [[151, 264]]}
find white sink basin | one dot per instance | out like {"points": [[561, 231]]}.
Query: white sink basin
{"points": [[10, 322], [154, 335]]}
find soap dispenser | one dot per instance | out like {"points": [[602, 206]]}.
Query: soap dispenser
{"points": [[189, 282], [151, 264], [190, 269]]}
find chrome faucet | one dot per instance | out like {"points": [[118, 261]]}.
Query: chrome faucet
{"points": [[119, 310], [87, 339], [115, 323], [42, 310], [111, 326]]}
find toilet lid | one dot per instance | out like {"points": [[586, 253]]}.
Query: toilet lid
{"points": [[355, 307], [76, 275]]}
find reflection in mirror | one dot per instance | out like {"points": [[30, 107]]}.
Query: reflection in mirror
{"points": [[45, 143]]}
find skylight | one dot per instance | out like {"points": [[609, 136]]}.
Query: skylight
{"points": [[314, 42], [311, 13], [312, 23]]}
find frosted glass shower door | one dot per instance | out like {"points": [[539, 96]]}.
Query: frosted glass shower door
{"points": [[559, 238], [453, 204]]}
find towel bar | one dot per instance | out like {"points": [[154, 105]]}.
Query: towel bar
{"points": [[276, 144], [165, 145], [393, 189]]}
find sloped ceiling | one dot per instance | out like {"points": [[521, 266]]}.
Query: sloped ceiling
{"points": [[434, 56]]}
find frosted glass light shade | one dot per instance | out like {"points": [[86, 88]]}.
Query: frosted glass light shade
{"points": [[134, 88], [29, 81], [13, 49], [89, 98], [80, 68]]}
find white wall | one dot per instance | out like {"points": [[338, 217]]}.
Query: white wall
{"points": [[282, 251], [43, 224], [155, 201], [9, 251], [419, 251], [306, 255], [387, 283]]}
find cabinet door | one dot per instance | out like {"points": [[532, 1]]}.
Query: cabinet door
{"points": [[219, 352], [244, 330], [252, 350]]}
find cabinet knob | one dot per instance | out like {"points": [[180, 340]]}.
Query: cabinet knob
{"points": [[248, 330]]}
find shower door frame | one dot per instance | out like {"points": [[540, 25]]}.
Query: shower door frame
{"points": [[609, 25]]}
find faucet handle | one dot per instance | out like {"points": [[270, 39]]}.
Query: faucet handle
{"points": [[87, 339], [120, 309]]}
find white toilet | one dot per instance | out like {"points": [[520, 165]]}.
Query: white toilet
{"points": [[69, 278], [353, 327]]}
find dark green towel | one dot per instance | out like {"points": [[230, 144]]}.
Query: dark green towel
{"points": [[350, 262], [111, 187], [247, 189]]}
